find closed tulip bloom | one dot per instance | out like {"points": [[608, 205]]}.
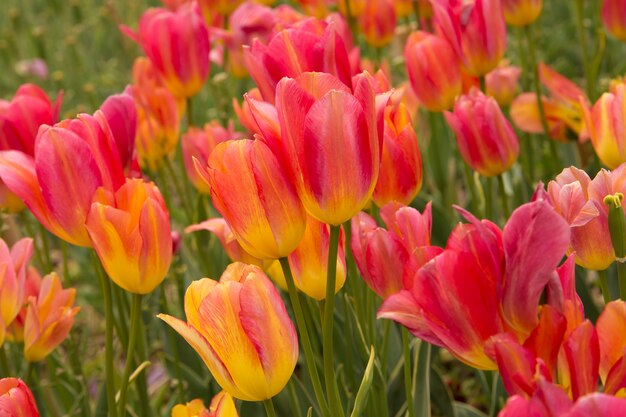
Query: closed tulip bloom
{"points": [[502, 83], [130, 232], [400, 176], [222, 405], [256, 197], [614, 18], [16, 400], [434, 70], [486, 140], [241, 329], [606, 122], [332, 138], [199, 143], [49, 184], [177, 43], [49, 318], [476, 29], [13, 281], [15, 332], [521, 12], [378, 22]]}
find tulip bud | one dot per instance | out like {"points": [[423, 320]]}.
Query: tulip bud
{"points": [[435, 89], [521, 12], [614, 18], [130, 232], [177, 43], [400, 176], [241, 329], [13, 281], [16, 400], [256, 197], [378, 22], [617, 224], [502, 84], [606, 123], [49, 318], [486, 140]]}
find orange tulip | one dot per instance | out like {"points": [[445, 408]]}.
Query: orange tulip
{"points": [[130, 232], [16, 400], [13, 281], [502, 83], [614, 18], [521, 12], [49, 318], [222, 405], [378, 22], [241, 329]]}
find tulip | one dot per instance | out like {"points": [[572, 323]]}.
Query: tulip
{"points": [[487, 281], [15, 332], [265, 213], [614, 18], [13, 281], [240, 328], [16, 400], [293, 51], [606, 122], [49, 318], [400, 176], [316, 8], [435, 89], [48, 183], [199, 143], [475, 29], [521, 12], [130, 232], [486, 140], [222, 405], [121, 115], [502, 84], [331, 137], [177, 43], [378, 22]]}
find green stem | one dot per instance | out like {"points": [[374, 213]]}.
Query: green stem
{"points": [[603, 280], [189, 112], [108, 349], [332, 391], [503, 197], [4, 363], [304, 337], [423, 376], [494, 395], [408, 383], [483, 84], [174, 345], [416, 10], [45, 247], [351, 22], [488, 199], [537, 85], [135, 316], [621, 278], [584, 48], [180, 190], [471, 185], [269, 408]]}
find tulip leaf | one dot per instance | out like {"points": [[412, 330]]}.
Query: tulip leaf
{"points": [[440, 394], [466, 410], [422, 384], [366, 383]]}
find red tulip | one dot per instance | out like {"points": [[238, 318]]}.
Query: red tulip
{"points": [[614, 18], [16, 400]]}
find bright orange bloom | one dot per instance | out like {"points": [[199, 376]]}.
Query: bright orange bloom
{"points": [[378, 22], [241, 329], [606, 123], [130, 232], [16, 400], [434, 70], [13, 281], [400, 176], [486, 139], [198, 143], [49, 318], [331, 138], [177, 43], [614, 18], [521, 12], [222, 405], [15, 332], [256, 197]]}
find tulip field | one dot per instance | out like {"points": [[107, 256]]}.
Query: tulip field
{"points": [[313, 208]]}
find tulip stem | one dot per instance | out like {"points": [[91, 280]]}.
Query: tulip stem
{"points": [[408, 372], [621, 277], [584, 48], [135, 315], [537, 85], [327, 327], [269, 408], [189, 112], [108, 349], [603, 280], [4, 363], [304, 336], [505, 199], [416, 10]]}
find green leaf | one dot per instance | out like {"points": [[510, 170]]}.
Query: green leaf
{"points": [[466, 410], [364, 389], [440, 394]]}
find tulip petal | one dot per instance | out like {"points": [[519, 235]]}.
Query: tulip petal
{"points": [[582, 353], [611, 327]]}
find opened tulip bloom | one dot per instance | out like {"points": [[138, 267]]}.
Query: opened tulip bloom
{"points": [[130, 232], [16, 400], [13, 281], [486, 139], [265, 213], [240, 328], [49, 318], [222, 405], [433, 69], [182, 61]]}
